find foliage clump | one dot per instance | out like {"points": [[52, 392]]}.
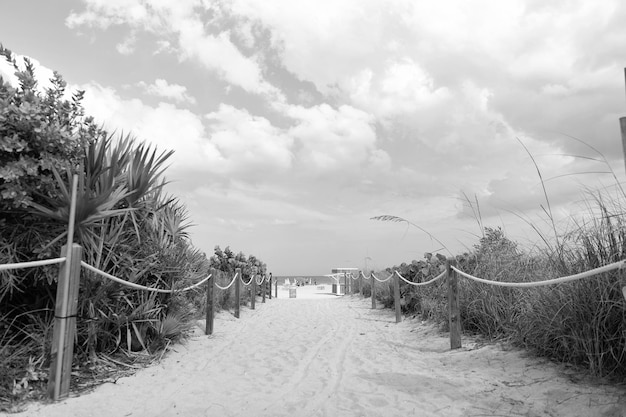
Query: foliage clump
{"points": [[125, 223], [582, 323]]}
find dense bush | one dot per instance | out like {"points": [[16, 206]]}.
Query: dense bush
{"points": [[226, 262], [125, 224]]}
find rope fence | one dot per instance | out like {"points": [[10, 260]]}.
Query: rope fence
{"points": [[607, 268], [229, 285], [138, 286], [452, 272], [381, 280], [67, 300], [66, 303]]}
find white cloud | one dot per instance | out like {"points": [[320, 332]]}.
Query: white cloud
{"points": [[248, 143], [127, 46], [161, 88], [42, 73], [7, 72], [325, 42], [415, 101], [221, 55], [332, 139], [403, 88], [165, 126], [228, 142], [103, 14], [181, 20]]}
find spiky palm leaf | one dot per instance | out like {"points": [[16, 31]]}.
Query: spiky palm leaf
{"points": [[90, 208], [144, 172]]}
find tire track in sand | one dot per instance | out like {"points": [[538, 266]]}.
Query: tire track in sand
{"points": [[301, 380], [320, 386]]}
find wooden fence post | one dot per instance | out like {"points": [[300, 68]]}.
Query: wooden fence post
{"points": [[208, 327], [622, 279], [276, 288], [270, 286], [237, 291], [361, 284], [373, 290], [62, 351], [345, 284], [396, 297], [263, 288], [622, 126], [253, 291], [453, 305]]}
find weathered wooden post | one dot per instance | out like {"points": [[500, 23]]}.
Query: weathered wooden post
{"points": [[276, 288], [263, 287], [210, 285], [345, 284], [373, 290], [270, 286], [622, 278], [66, 303], [253, 291], [362, 284], [62, 351], [396, 297], [622, 125], [453, 305], [237, 291]]}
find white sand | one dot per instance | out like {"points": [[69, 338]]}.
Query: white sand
{"points": [[322, 355]]}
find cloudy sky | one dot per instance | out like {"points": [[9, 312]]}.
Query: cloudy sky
{"points": [[296, 122]]}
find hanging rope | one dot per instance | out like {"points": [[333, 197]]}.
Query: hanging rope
{"points": [[596, 271], [245, 284], [229, 285], [137, 286], [420, 284], [31, 264], [382, 280]]}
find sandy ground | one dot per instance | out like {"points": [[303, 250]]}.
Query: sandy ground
{"points": [[322, 355]]}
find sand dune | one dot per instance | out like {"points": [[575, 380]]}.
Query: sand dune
{"points": [[322, 355]]}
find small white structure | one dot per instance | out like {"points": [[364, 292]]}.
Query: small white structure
{"points": [[339, 275]]}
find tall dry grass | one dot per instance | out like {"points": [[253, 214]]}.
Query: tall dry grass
{"points": [[582, 323]]}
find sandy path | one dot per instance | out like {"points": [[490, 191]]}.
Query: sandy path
{"points": [[320, 355]]}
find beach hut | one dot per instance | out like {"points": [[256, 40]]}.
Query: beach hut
{"points": [[339, 275]]}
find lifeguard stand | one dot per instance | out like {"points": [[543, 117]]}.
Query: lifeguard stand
{"points": [[338, 274]]}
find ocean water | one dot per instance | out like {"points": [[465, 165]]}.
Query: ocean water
{"points": [[315, 280]]}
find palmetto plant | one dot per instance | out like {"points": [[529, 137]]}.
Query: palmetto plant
{"points": [[124, 223], [129, 229], [91, 206]]}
